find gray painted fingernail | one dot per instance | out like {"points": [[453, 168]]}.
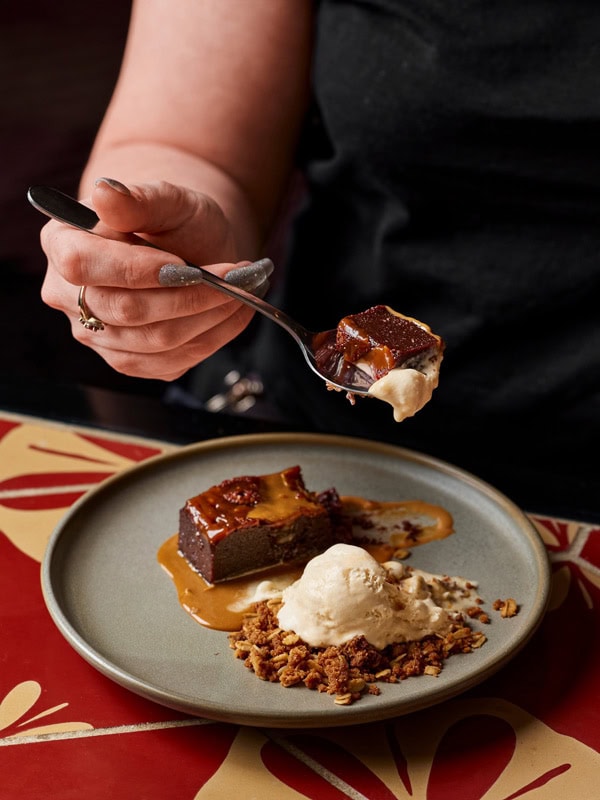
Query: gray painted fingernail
{"points": [[250, 276], [261, 289], [266, 265], [113, 184], [179, 275]]}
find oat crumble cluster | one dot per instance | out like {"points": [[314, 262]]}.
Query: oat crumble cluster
{"points": [[347, 671], [507, 608]]}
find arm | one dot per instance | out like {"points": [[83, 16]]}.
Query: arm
{"points": [[211, 95], [202, 129]]}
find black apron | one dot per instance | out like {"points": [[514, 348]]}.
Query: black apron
{"points": [[452, 161]]}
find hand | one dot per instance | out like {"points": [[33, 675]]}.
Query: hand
{"points": [[150, 331]]}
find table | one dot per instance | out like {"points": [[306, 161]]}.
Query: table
{"points": [[532, 731]]}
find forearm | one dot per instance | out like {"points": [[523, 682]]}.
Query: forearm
{"points": [[211, 96]]}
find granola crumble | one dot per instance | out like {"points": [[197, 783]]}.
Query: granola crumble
{"points": [[347, 671], [476, 612], [507, 608]]}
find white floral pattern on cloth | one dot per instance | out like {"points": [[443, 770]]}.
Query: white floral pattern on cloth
{"points": [[506, 747], [18, 714], [43, 470], [420, 757], [574, 550]]}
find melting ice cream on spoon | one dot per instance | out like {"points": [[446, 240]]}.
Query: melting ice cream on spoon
{"points": [[400, 356]]}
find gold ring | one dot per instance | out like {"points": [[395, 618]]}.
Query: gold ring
{"points": [[88, 321]]}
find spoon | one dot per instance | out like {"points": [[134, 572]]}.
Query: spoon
{"points": [[318, 348]]}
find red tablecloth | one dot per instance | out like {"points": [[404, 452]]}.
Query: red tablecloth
{"points": [[532, 731]]}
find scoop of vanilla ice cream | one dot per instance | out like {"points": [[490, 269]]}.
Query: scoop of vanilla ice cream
{"points": [[407, 390], [345, 592]]}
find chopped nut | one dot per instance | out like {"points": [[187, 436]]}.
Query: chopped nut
{"points": [[461, 633], [383, 673], [510, 608], [356, 685], [343, 699], [507, 608], [431, 670], [476, 612]]}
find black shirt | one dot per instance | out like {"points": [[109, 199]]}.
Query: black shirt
{"points": [[453, 172]]}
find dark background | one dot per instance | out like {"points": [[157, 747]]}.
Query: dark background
{"points": [[58, 65]]}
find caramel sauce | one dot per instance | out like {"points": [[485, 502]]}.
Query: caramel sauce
{"points": [[212, 604], [222, 606], [251, 500], [280, 499], [399, 524], [383, 338]]}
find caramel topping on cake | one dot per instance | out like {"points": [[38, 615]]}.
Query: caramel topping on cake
{"points": [[383, 338], [248, 523], [249, 501]]}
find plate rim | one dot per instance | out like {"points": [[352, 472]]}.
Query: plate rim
{"points": [[357, 713]]}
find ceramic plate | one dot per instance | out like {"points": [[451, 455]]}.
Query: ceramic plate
{"points": [[116, 606]]}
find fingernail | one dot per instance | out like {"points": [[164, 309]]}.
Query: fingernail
{"points": [[250, 276], [113, 184], [261, 289], [178, 275], [265, 264]]}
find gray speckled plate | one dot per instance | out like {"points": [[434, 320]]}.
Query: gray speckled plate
{"points": [[113, 602]]}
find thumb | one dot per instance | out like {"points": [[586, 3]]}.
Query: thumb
{"points": [[167, 215], [170, 216], [148, 208]]}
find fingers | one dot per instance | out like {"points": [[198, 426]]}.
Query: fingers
{"points": [[166, 213], [174, 219], [159, 333], [252, 277], [167, 349], [157, 322], [83, 258], [152, 208], [125, 307]]}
